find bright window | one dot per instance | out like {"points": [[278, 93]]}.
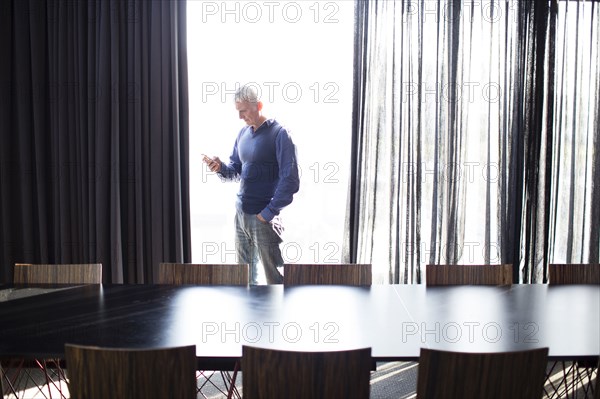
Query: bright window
{"points": [[299, 54]]}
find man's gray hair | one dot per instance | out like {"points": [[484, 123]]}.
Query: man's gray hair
{"points": [[247, 93]]}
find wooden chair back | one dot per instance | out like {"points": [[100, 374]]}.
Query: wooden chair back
{"points": [[84, 273], [469, 274], [327, 274], [275, 374], [597, 390], [514, 375], [201, 274], [99, 373], [572, 273]]}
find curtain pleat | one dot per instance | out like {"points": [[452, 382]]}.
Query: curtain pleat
{"points": [[94, 135], [474, 136]]}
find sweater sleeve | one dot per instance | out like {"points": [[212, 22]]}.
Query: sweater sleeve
{"points": [[232, 170], [289, 179]]}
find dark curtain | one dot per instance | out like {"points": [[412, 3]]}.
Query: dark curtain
{"points": [[475, 136], [94, 135]]}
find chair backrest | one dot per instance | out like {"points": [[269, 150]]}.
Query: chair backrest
{"points": [[469, 274], [270, 373], [514, 375], [84, 273], [573, 273], [327, 274], [131, 373], [597, 391], [200, 274]]}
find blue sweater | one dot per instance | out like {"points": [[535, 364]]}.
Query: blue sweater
{"points": [[265, 163]]}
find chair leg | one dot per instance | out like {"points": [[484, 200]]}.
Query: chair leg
{"points": [[17, 375], [8, 386], [208, 381], [550, 389], [207, 375], [228, 389], [570, 380], [56, 378], [232, 388], [586, 376]]}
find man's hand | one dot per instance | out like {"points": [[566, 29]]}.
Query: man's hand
{"points": [[214, 163], [261, 218]]}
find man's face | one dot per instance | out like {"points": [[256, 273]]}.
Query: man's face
{"points": [[249, 112]]}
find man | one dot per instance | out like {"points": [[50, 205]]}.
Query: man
{"points": [[264, 160]]}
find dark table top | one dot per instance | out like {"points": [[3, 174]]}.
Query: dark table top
{"points": [[394, 320]]}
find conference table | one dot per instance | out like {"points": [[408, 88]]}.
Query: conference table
{"points": [[395, 321]]}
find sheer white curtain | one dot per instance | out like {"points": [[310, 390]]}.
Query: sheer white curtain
{"points": [[576, 167], [458, 121]]}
